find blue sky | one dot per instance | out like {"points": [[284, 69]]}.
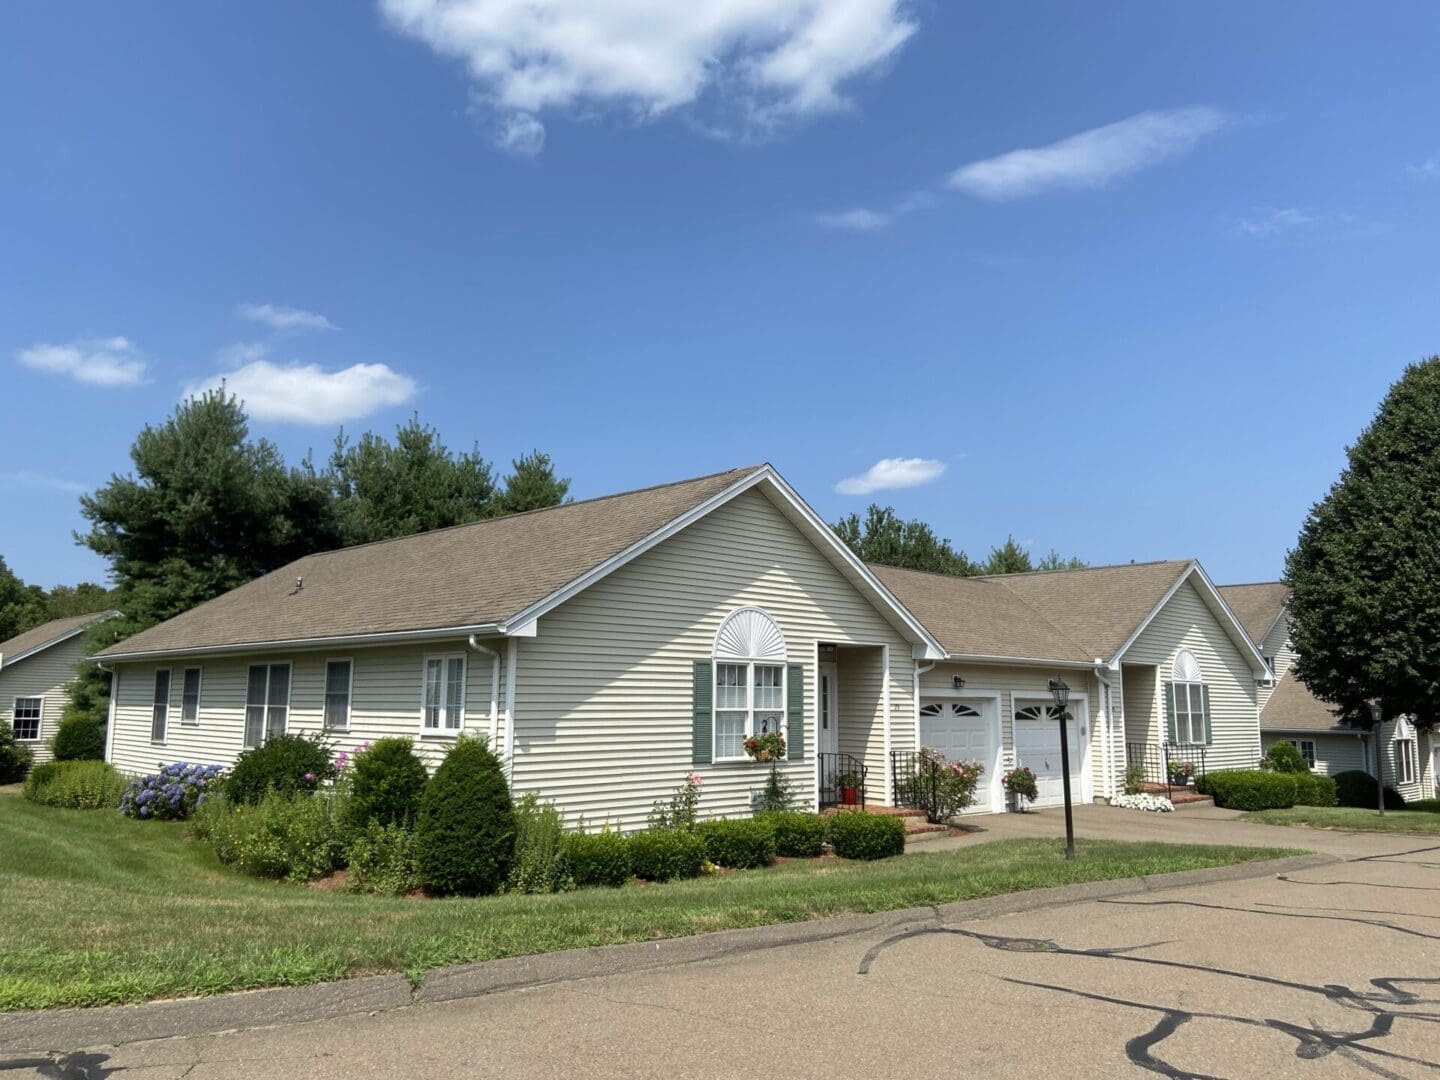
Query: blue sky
{"points": [[657, 245]]}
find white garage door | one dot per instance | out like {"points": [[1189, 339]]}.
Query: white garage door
{"points": [[963, 730], [1037, 744]]}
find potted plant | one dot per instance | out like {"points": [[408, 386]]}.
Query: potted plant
{"points": [[1020, 786], [849, 784], [1181, 772], [765, 747]]}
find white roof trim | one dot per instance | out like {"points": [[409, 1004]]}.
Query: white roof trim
{"points": [[389, 637], [1237, 632], [1038, 661], [765, 474], [8, 661]]}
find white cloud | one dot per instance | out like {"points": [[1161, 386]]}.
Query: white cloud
{"points": [[890, 473], [857, 220], [280, 317], [754, 63], [1429, 168], [1092, 158], [1269, 222], [25, 478], [102, 362], [306, 394]]}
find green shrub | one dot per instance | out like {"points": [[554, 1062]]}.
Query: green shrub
{"points": [[296, 837], [1249, 789], [1285, 757], [1134, 779], [539, 865], [465, 834], [777, 795], [601, 858], [15, 756], [79, 738], [1358, 788], [1313, 790], [679, 812], [666, 855], [78, 785], [856, 834], [739, 843], [382, 861], [285, 764], [386, 782], [1428, 806], [797, 835]]}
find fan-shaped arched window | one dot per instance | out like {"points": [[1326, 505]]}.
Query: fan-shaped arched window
{"points": [[1188, 701], [750, 686]]}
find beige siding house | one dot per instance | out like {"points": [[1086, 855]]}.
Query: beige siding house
{"points": [[1409, 759], [606, 648], [35, 669]]}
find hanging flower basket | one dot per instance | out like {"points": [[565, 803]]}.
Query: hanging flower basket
{"points": [[765, 747]]}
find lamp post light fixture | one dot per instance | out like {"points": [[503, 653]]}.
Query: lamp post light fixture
{"points": [[1377, 714], [1061, 693]]}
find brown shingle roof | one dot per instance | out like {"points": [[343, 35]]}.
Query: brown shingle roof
{"points": [[1293, 708], [1257, 606], [979, 617], [47, 634], [467, 575]]}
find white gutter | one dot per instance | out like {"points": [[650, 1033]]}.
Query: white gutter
{"points": [[291, 644], [494, 685], [981, 658]]}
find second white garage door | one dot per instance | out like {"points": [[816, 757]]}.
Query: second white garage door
{"points": [[963, 729], [1037, 744]]}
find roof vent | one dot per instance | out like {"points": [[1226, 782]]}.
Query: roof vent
{"points": [[299, 584]]}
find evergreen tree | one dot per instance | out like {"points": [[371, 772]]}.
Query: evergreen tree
{"points": [[1366, 569], [533, 485], [63, 601], [1009, 558], [1055, 561], [885, 539]]}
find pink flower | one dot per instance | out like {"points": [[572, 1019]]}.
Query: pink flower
{"points": [[310, 777], [695, 779]]}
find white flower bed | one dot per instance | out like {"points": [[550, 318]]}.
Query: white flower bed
{"points": [[1157, 803]]}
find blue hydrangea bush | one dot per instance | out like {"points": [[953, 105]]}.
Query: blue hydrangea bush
{"points": [[173, 793]]}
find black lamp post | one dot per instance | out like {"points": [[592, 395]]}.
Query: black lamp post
{"points": [[1061, 693], [1376, 715]]}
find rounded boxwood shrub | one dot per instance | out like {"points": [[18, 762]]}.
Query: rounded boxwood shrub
{"points": [[465, 833], [1285, 757], [856, 834], [1314, 790], [1357, 788], [79, 738], [797, 835], [77, 785], [739, 843], [285, 764], [601, 858], [386, 782], [15, 756], [665, 855], [1249, 789]]}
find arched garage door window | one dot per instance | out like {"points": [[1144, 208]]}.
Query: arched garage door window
{"points": [[952, 709], [750, 690]]}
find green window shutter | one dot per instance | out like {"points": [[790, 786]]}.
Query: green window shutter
{"points": [[1205, 711], [795, 713], [703, 720], [1170, 712]]}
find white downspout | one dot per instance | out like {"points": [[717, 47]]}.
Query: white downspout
{"points": [[1107, 747], [110, 720], [920, 669], [494, 686], [512, 646]]}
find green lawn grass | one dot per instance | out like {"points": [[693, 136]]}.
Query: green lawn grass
{"points": [[1350, 817], [101, 909]]}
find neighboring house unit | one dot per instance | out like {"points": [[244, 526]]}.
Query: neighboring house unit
{"points": [[1291, 713], [1157, 665], [35, 668]]}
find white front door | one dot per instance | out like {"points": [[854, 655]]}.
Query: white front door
{"points": [[965, 730], [1037, 744], [828, 736]]}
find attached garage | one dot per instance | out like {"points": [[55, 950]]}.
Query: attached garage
{"points": [[1037, 744], [967, 729]]}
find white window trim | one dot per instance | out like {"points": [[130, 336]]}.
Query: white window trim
{"points": [[715, 710], [289, 700], [169, 698], [349, 694], [199, 690], [443, 732], [39, 720], [1300, 745], [1406, 761]]}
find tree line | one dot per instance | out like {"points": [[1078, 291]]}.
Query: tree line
{"points": [[882, 537]]}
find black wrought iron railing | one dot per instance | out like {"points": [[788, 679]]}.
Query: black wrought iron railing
{"points": [[842, 780], [917, 779], [1170, 766]]}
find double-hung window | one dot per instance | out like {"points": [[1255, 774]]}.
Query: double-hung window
{"points": [[267, 702], [1306, 748], [1405, 760], [442, 704], [750, 690], [337, 694], [190, 696], [26, 718], [160, 706], [1188, 700]]}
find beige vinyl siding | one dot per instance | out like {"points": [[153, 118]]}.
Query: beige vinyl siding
{"points": [[1277, 646], [384, 701], [1423, 786], [44, 674], [1142, 708], [603, 706], [1333, 753], [1186, 622], [1030, 685]]}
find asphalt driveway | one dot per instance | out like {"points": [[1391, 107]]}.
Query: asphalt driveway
{"points": [[1323, 972]]}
